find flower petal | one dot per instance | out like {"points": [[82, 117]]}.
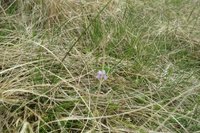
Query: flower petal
{"points": [[98, 77], [100, 72], [105, 77]]}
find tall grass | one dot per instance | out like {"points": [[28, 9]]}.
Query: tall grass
{"points": [[51, 51]]}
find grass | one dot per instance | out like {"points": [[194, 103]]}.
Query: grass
{"points": [[50, 53]]}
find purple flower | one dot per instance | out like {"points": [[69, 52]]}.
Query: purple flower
{"points": [[101, 74]]}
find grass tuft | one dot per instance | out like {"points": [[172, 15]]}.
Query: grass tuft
{"points": [[51, 51]]}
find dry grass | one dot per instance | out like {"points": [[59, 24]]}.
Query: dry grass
{"points": [[50, 52]]}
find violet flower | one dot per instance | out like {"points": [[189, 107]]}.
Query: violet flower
{"points": [[102, 74]]}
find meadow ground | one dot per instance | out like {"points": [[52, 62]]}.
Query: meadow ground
{"points": [[51, 51]]}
